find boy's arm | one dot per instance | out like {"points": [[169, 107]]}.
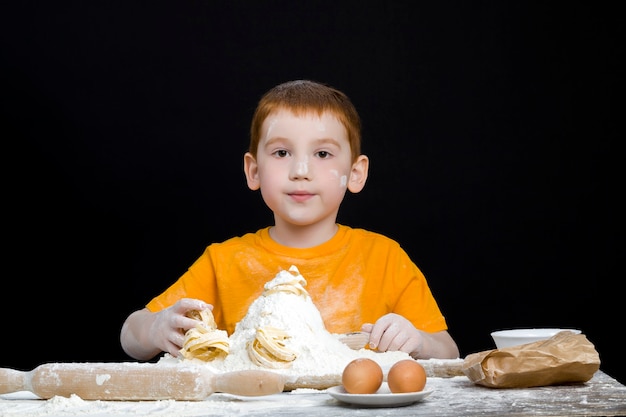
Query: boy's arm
{"points": [[438, 345]]}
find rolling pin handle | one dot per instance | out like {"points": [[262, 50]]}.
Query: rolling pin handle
{"points": [[12, 380]]}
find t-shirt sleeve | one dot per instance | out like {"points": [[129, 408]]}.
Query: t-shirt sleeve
{"points": [[394, 284], [197, 282], [417, 304], [413, 297]]}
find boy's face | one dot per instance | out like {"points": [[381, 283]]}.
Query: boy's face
{"points": [[303, 166]]}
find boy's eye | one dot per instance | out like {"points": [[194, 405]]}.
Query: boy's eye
{"points": [[281, 153], [323, 154]]}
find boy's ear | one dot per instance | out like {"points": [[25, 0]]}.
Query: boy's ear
{"points": [[358, 174], [250, 168]]}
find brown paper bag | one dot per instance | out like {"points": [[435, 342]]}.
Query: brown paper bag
{"points": [[564, 358]]}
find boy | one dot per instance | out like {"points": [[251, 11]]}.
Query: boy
{"points": [[304, 154]]}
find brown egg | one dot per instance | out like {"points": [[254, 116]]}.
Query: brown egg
{"points": [[406, 375], [362, 376]]}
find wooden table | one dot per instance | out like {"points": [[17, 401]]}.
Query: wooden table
{"points": [[455, 396]]}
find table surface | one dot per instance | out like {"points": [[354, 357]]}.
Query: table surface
{"points": [[600, 396]]}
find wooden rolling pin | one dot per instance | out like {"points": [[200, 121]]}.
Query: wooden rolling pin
{"points": [[132, 381]]}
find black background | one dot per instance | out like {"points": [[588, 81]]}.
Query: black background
{"points": [[492, 130]]}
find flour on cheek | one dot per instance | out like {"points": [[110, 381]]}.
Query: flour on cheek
{"points": [[343, 179]]}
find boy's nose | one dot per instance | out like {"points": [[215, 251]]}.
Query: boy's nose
{"points": [[300, 169]]}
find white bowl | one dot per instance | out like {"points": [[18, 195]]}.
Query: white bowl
{"points": [[515, 337]]}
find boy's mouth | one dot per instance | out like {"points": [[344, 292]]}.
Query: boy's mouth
{"points": [[300, 196]]}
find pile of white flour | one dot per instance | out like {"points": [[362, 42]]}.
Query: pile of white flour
{"points": [[321, 357]]}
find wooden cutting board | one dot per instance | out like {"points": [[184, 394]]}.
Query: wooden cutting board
{"points": [[132, 381]]}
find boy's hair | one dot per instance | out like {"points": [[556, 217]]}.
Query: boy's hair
{"points": [[301, 97]]}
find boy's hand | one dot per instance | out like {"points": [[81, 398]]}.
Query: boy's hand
{"points": [[170, 325], [393, 332]]}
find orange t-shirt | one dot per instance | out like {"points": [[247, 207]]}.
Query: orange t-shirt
{"points": [[354, 278]]}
